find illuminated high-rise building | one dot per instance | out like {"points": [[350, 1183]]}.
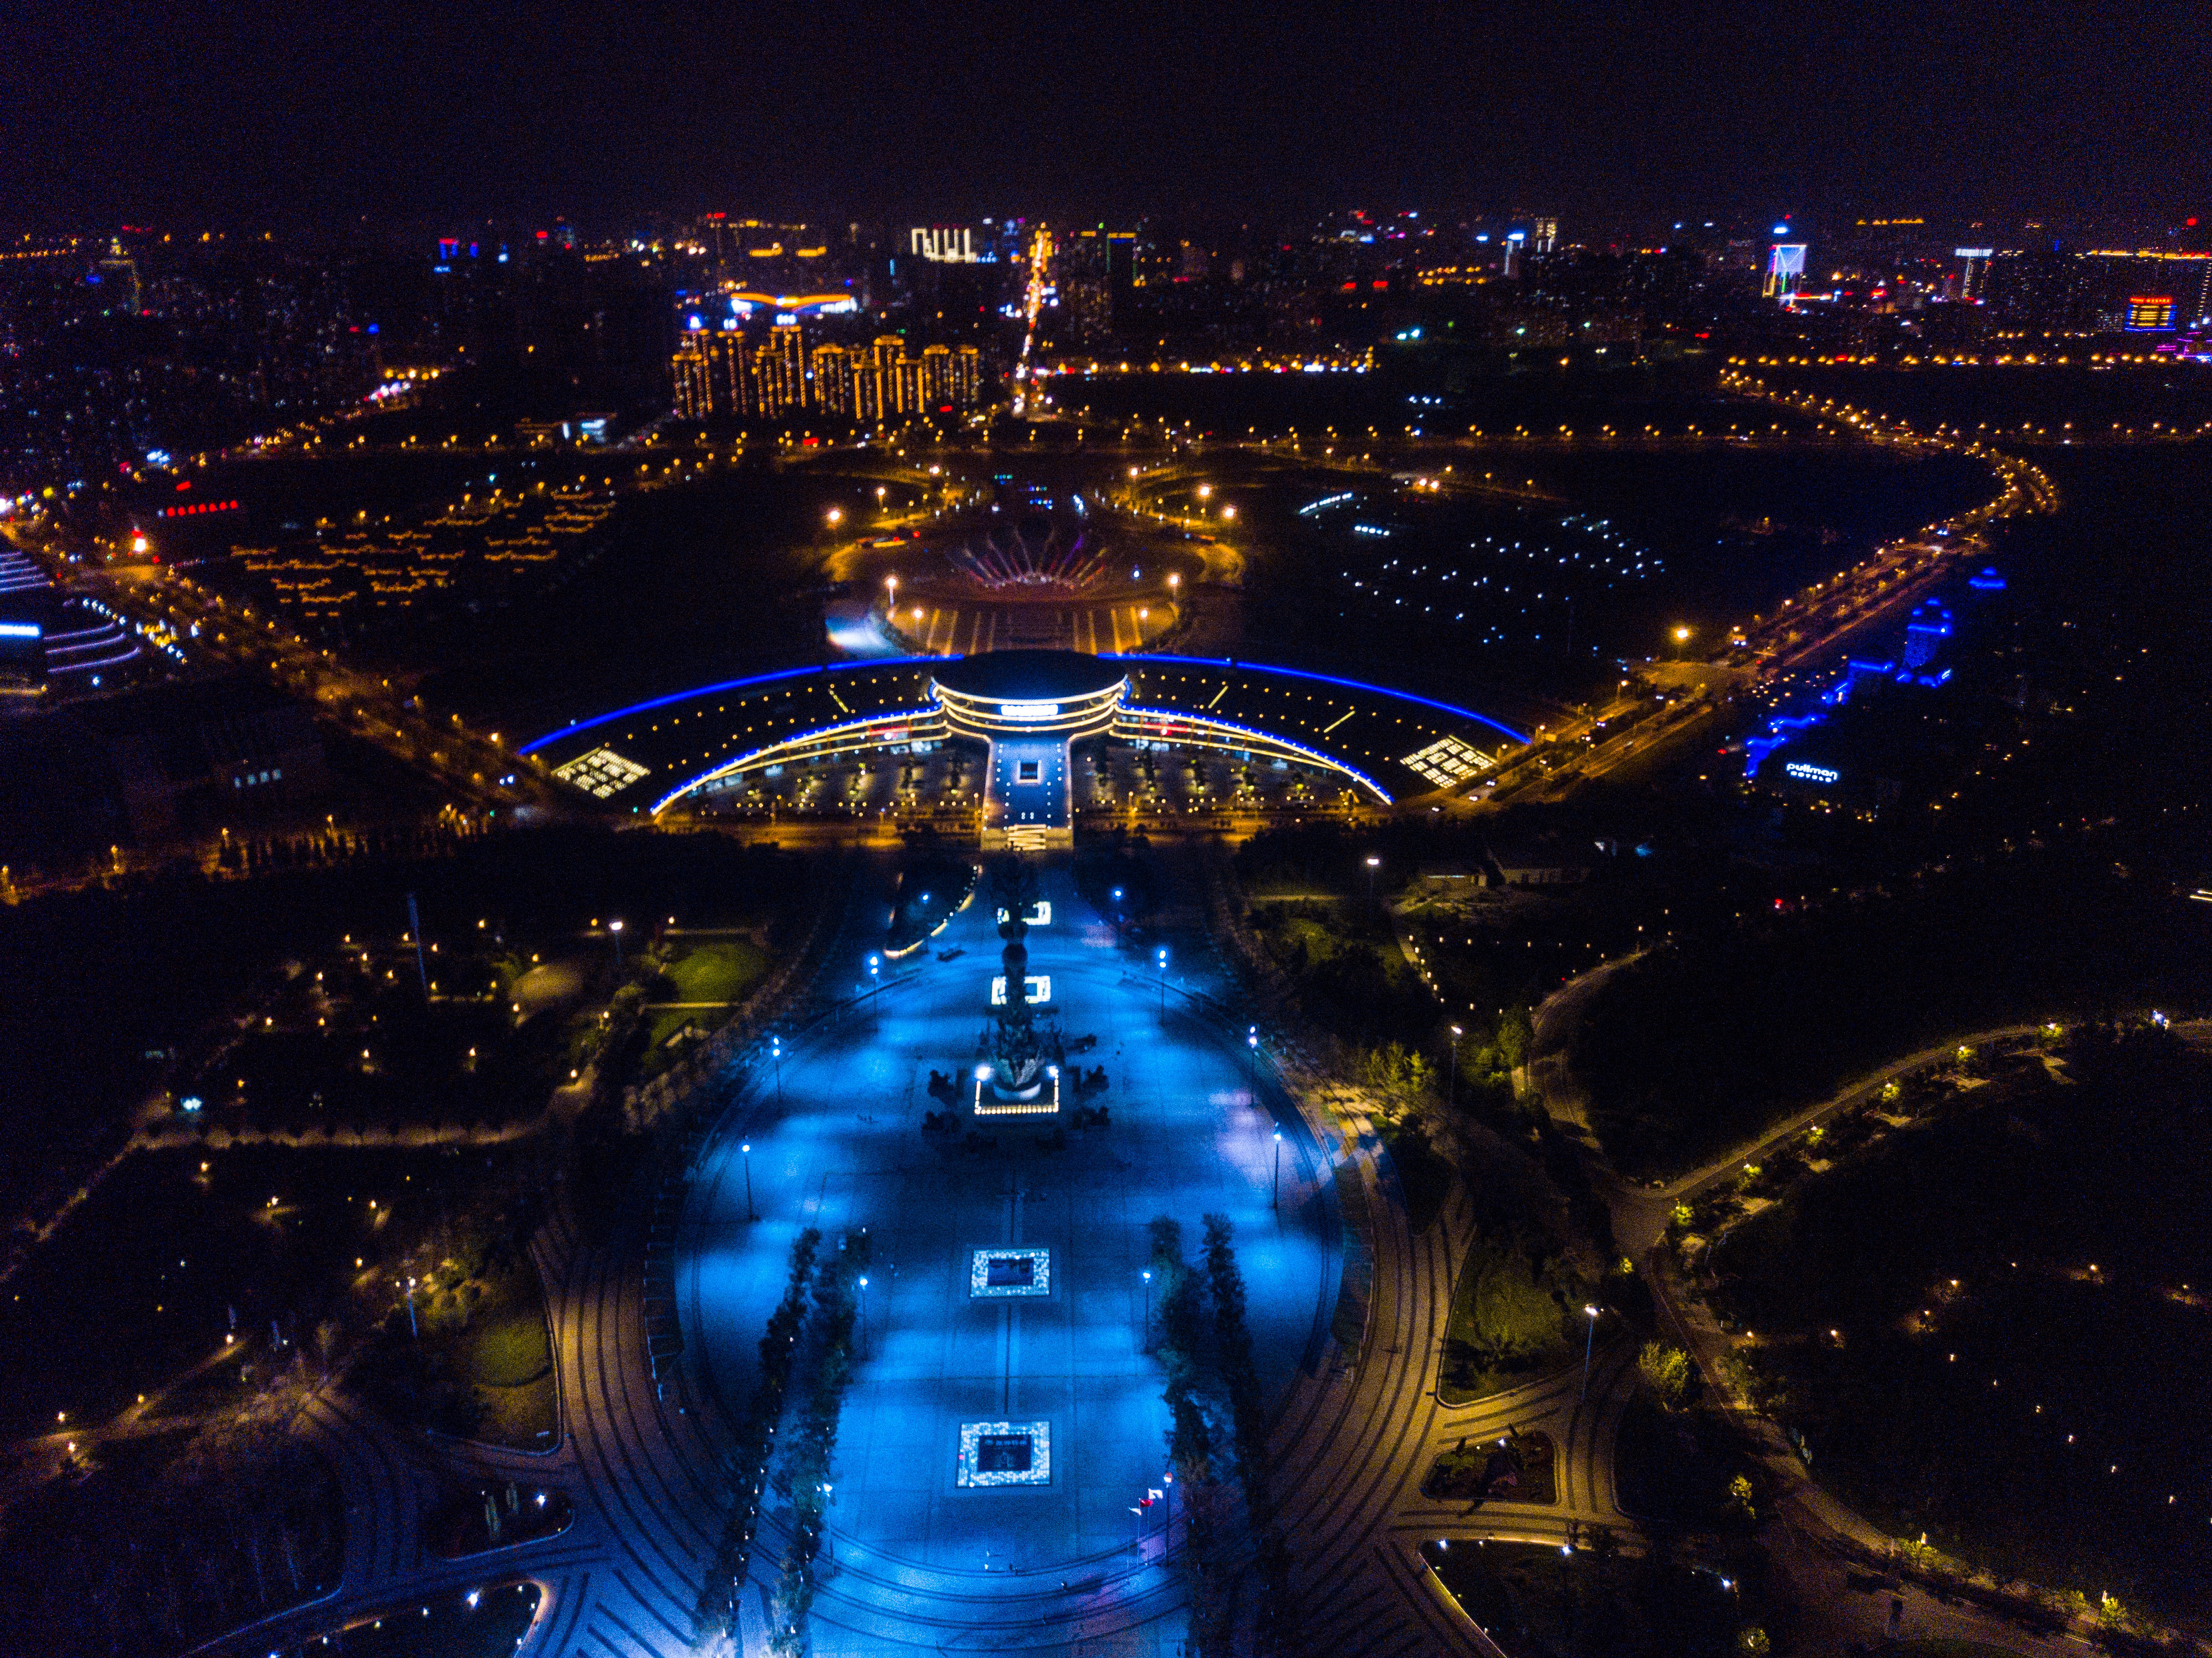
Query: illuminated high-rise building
{"points": [[790, 346], [967, 378], [1785, 271], [833, 383], [2148, 288], [712, 375], [886, 355], [936, 382], [1973, 272]]}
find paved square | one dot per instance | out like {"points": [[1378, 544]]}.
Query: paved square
{"points": [[948, 1351]]}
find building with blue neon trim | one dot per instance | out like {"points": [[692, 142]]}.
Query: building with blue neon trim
{"points": [[1024, 713]]}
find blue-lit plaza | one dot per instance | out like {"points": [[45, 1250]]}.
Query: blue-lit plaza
{"points": [[1006, 1416]]}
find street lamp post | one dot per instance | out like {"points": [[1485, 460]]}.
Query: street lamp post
{"points": [[1147, 1342], [413, 1329], [1451, 1088], [1275, 1188], [775, 1052], [864, 1315], [1373, 864], [1589, 1339], [615, 927], [750, 1212], [1162, 957]]}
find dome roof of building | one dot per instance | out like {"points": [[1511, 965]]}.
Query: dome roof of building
{"points": [[1029, 675]]}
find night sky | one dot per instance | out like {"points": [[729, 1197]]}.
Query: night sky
{"points": [[301, 114]]}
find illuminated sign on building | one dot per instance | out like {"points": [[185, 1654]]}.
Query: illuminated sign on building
{"points": [[1030, 710], [1804, 772], [944, 244], [2150, 313]]}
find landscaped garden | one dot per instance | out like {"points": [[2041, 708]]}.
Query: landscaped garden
{"points": [[1516, 1314], [2018, 939], [1516, 1467], [486, 1622], [1984, 1305], [1540, 1601]]}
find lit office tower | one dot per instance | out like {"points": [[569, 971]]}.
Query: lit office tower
{"points": [[1543, 236], [834, 379], [967, 377], [937, 377]]}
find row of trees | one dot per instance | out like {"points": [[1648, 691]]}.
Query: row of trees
{"points": [[717, 1614], [813, 1440]]}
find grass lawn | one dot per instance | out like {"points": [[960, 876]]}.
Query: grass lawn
{"points": [[720, 970], [502, 1353], [1509, 1325]]}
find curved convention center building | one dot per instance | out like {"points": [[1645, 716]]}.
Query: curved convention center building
{"points": [[1019, 745]]}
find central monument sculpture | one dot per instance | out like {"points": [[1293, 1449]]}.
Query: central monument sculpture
{"points": [[1023, 1054]]}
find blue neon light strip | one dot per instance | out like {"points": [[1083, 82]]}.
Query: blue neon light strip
{"points": [[717, 689], [759, 757], [1257, 739], [1326, 680]]}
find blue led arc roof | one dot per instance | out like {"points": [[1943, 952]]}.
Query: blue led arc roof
{"points": [[1326, 680], [575, 725], [746, 684]]}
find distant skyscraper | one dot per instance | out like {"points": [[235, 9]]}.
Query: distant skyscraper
{"points": [[1973, 272], [1785, 271], [2150, 289]]}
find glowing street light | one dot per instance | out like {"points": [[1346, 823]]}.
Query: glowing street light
{"points": [[1589, 1339], [615, 927], [1373, 864], [1451, 1089], [835, 516], [750, 1212]]}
